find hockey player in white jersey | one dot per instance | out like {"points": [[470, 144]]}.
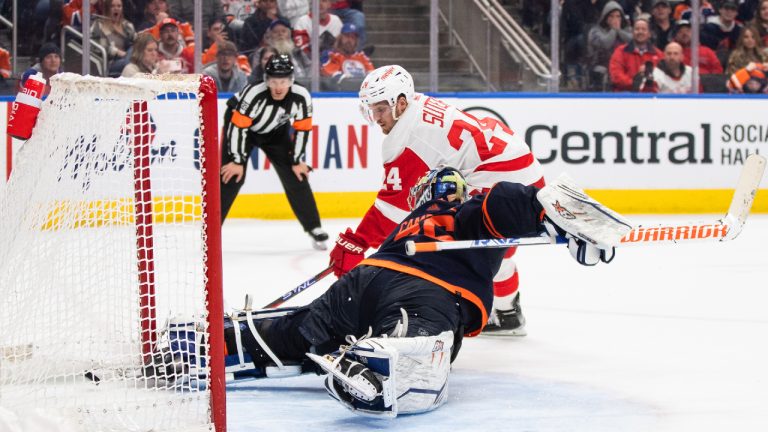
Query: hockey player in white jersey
{"points": [[422, 133]]}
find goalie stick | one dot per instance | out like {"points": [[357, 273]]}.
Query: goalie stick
{"points": [[727, 228], [302, 286]]}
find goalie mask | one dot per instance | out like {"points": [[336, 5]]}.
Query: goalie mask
{"points": [[438, 183], [385, 84]]}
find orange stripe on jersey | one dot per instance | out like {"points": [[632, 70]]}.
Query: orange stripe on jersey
{"points": [[303, 124], [487, 218], [540, 183], [516, 164], [465, 293], [240, 120]]}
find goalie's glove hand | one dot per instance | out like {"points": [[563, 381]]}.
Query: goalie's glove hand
{"points": [[583, 252], [348, 252]]}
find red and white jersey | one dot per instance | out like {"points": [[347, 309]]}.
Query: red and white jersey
{"points": [[432, 133]]}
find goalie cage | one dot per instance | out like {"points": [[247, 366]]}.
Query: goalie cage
{"points": [[111, 225]]}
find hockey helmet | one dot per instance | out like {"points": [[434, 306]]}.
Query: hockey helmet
{"points": [[438, 183], [386, 83], [279, 66]]}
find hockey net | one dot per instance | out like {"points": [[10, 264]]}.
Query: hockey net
{"points": [[110, 228]]}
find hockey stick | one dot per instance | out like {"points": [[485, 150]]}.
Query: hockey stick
{"points": [[727, 228], [304, 285]]}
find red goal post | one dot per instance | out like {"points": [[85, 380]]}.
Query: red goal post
{"points": [[111, 230]]}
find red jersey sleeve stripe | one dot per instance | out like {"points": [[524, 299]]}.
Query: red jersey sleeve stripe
{"points": [[508, 165], [487, 218]]}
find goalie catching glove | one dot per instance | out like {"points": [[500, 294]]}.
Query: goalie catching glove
{"points": [[348, 252], [592, 229]]}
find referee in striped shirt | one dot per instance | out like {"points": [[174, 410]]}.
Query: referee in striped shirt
{"points": [[264, 116]]}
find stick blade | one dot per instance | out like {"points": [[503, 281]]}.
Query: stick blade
{"points": [[744, 194]]}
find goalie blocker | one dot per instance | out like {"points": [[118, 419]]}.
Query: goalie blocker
{"points": [[387, 331]]}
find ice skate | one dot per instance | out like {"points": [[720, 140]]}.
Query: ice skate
{"points": [[319, 238]]}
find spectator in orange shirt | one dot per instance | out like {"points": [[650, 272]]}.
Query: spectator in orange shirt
{"points": [[683, 10], [5, 63], [630, 59], [751, 79], [72, 12], [708, 61], [345, 63]]}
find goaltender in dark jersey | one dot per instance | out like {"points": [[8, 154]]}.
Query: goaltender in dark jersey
{"points": [[253, 106], [504, 211]]}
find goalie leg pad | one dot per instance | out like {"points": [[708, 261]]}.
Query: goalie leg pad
{"points": [[249, 356], [387, 376]]}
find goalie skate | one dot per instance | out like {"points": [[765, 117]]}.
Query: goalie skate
{"points": [[357, 380]]}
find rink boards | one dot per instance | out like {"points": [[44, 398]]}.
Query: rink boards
{"points": [[636, 154]]}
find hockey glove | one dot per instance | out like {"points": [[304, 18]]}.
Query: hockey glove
{"points": [[348, 252], [583, 252]]}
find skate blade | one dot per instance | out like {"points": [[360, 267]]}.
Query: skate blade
{"points": [[519, 332], [319, 245]]}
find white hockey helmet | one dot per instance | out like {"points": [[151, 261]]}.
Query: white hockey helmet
{"points": [[386, 83]]}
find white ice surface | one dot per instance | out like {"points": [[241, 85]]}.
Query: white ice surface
{"points": [[665, 338]]}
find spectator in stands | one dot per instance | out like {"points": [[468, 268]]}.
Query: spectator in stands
{"points": [[750, 79], [256, 25], [330, 28], [662, 23], [259, 63], [747, 10], [292, 10], [278, 36], [349, 12], [611, 31], [184, 10], [671, 75], [49, 64], [708, 62], [186, 35], [577, 17], [144, 56], [630, 58], [229, 78], [115, 33], [5, 63], [749, 49], [154, 12], [215, 35], [760, 22], [721, 32], [683, 10], [345, 63], [171, 46], [72, 12]]}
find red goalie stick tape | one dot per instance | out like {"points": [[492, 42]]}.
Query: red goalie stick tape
{"points": [[727, 228]]}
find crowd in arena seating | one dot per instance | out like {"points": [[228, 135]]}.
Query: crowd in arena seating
{"points": [[157, 36], [635, 45], [606, 45]]}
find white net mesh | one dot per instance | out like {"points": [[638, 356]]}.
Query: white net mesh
{"points": [[87, 233]]}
